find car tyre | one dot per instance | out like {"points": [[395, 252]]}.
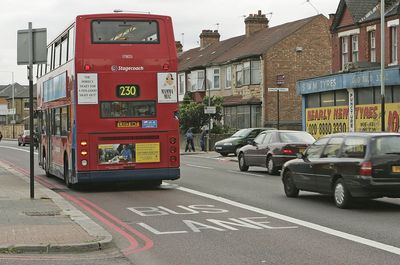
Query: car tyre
{"points": [[242, 163], [341, 195], [290, 188], [271, 168], [19, 143]]}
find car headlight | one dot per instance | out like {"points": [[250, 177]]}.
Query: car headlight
{"points": [[228, 144]]}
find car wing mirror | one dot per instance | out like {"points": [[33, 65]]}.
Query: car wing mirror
{"points": [[251, 142]]}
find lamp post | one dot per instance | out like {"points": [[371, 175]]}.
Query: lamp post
{"points": [[383, 65]]}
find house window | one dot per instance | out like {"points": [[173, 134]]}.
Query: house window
{"points": [[26, 103], [354, 48], [345, 50], [213, 78], [313, 100], [255, 72], [228, 77], [396, 94], [393, 45], [242, 116], [197, 80], [372, 47], [181, 83], [365, 96], [239, 75], [248, 73]]}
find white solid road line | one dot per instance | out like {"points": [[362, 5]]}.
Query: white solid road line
{"points": [[313, 226], [191, 165]]}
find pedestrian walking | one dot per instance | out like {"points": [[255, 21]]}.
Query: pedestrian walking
{"points": [[203, 139], [189, 141], [1, 136]]}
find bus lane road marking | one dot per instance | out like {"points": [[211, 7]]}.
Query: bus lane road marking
{"points": [[320, 228], [188, 225]]}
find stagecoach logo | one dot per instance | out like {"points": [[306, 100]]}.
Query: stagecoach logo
{"points": [[117, 68]]}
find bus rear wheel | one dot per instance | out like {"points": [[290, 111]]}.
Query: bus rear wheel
{"points": [[66, 174]]}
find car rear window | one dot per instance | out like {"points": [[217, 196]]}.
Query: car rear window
{"points": [[355, 147], [386, 145], [294, 137]]}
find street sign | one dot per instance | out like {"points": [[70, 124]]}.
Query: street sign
{"points": [[210, 110], [39, 46], [278, 89]]}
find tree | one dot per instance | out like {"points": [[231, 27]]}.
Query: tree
{"points": [[191, 114]]}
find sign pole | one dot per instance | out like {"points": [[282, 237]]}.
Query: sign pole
{"points": [[30, 78], [277, 106], [383, 65]]}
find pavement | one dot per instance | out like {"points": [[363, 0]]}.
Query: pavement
{"points": [[47, 223]]}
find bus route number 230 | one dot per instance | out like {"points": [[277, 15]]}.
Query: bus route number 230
{"points": [[128, 91]]}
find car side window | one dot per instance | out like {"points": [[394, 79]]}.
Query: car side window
{"points": [[259, 139], [333, 147], [267, 138], [254, 133], [315, 150], [354, 147]]}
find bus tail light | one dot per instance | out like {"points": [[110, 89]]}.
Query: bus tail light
{"points": [[173, 158], [172, 140], [87, 67], [84, 152], [165, 66], [84, 143], [84, 162], [172, 149]]}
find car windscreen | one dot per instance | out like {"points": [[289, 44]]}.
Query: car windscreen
{"points": [[124, 31], [296, 137], [386, 145], [241, 133]]}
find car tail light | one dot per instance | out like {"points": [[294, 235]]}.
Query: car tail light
{"points": [[366, 168], [287, 151]]}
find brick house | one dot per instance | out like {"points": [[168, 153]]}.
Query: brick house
{"points": [[350, 99], [242, 68], [21, 103]]}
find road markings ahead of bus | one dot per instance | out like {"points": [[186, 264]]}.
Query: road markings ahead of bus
{"points": [[299, 222]]}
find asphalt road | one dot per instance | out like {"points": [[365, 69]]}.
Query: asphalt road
{"points": [[216, 214]]}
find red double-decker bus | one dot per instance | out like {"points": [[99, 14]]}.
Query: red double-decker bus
{"points": [[107, 101]]}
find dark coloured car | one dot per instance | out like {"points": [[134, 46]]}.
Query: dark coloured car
{"points": [[240, 138], [272, 148], [24, 138], [347, 165]]}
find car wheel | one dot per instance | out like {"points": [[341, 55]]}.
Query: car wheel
{"points": [[271, 168], [288, 184], [341, 194], [23, 143], [19, 143], [224, 154], [242, 163]]}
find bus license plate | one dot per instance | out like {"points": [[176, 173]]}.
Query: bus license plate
{"points": [[396, 169]]}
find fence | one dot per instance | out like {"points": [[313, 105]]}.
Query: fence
{"points": [[11, 131]]}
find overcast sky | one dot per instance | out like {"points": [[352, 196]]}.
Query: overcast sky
{"points": [[189, 18]]}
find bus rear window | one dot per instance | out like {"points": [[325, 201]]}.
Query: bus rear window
{"points": [[125, 31], [127, 109]]}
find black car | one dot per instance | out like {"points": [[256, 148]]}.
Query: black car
{"points": [[347, 165], [237, 140], [272, 148]]}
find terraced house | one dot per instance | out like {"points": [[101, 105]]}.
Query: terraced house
{"points": [[244, 69]]}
